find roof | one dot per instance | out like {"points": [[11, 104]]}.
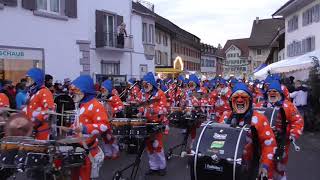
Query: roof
{"points": [[291, 6], [282, 7], [264, 31], [242, 44], [141, 8]]}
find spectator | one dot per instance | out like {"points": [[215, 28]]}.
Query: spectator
{"points": [[49, 82], [122, 32], [58, 88], [9, 91], [66, 85], [300, 99], [21, 97]]}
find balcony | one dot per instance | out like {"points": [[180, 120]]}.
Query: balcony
{"points": [[114, 42], [149, 50]]}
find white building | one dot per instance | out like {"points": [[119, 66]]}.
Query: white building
{"points": [[163, 47], [69, 38], [302, 19], [208, 60], [236, 53]]}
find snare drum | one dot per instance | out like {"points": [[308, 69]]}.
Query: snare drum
{"points": [[9, 150], [69, 157], [33, 154]]}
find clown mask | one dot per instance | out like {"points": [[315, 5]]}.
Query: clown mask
{"points": [[30, 82], [192, 86], [147, 87], [274, 96], [104, 93], [240, 101], [76, 94]]}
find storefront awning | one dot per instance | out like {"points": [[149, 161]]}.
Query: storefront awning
{"points": [[300, 63]]}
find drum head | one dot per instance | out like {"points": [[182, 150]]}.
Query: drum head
{"points": [[220, 148]]}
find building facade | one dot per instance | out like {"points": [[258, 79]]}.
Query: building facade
{"points": [[262, 34], [186, 46], [163, 47], [302, 23], [69, 38], [209, 60], [236, 52], [143, 21]]}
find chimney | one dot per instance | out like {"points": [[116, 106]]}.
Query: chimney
{"points": [[257, 20]]}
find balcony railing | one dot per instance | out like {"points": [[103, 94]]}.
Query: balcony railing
{"points": [[114, 41]]}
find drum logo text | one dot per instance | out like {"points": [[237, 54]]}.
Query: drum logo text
{"points": [[217, 144], [213, 168], [220, 136]]}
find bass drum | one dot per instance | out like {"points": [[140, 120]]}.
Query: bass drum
{"points": [[220, 154], [64, 103]]}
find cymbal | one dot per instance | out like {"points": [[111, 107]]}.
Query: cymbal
{"points": [[72, 140]]}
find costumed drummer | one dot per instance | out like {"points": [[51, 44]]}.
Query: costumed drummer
{"points": [[194, 102], [40, 101], [219, 98], [92, 122], [295, 123], [154, 112], [243, 114], [111, 98]]}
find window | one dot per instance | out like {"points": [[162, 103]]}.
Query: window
{"points": [[293, 23], [109, 30], [202, 62], [144, 32], [110, 68], [158, 57], [311, 15], [151, 34], [165, 40], [297, 48], [49, 5], [308, 44], [259, 51], [166, 58]]}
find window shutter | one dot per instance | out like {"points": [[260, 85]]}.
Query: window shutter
{"points": [[29, 4], [99, 29], [304, 46], [71, 8], [313, 43], [9, 2], [119, 20]]}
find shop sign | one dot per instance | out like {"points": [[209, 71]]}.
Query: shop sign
{"points": [[21, 54], [4, 53]]}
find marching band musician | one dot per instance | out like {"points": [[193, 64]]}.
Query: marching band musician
{"points": [[193, 101], [135, 94], [92, 122], [40, 101], [155, 113], [295, 123], [243, 114], [110, 96], [219, 98]]}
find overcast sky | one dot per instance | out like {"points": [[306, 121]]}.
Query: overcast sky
{"points": [[216, 21]]}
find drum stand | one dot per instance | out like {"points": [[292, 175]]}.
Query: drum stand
{"points": [[135, 165], [183, 145]]}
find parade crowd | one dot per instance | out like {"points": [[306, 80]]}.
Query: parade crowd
{"points": [[233, 101]]}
